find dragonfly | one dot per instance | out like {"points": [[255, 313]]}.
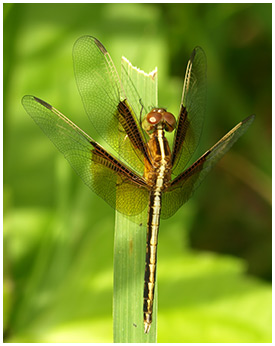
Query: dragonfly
{"points": [[144, 171]]}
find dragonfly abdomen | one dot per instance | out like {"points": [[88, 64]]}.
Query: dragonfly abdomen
{"points": [[157, 176], [151, 257], [152, 242]]}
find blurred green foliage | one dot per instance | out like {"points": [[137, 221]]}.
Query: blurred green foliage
{"points": [[58, 236]]}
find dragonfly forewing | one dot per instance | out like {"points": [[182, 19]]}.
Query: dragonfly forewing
{"points": [[192, 111], [101, 92]]}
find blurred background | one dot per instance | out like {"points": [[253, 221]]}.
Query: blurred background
{"points": [[214, 260]]}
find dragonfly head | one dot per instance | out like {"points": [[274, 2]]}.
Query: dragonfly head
{"points": [[159, 118]]}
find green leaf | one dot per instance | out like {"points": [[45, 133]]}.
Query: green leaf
{"points": [[129, 262], [130, 234]]}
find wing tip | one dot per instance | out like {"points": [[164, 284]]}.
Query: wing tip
{"points": [[195, 51], [100, 46], [249, 119], [43, 103], [90, 39], [25, 100]]}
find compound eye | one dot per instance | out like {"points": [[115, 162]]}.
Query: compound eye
{"points": [[154, 117], [170, 119]]}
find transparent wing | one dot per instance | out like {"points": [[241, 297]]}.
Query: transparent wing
{"points": [[118, 185], [140, 87], [105, 102], [192, 109], [182, 187]]}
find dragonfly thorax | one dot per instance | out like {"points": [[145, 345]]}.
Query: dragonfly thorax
{"points": [[159, 118]]}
